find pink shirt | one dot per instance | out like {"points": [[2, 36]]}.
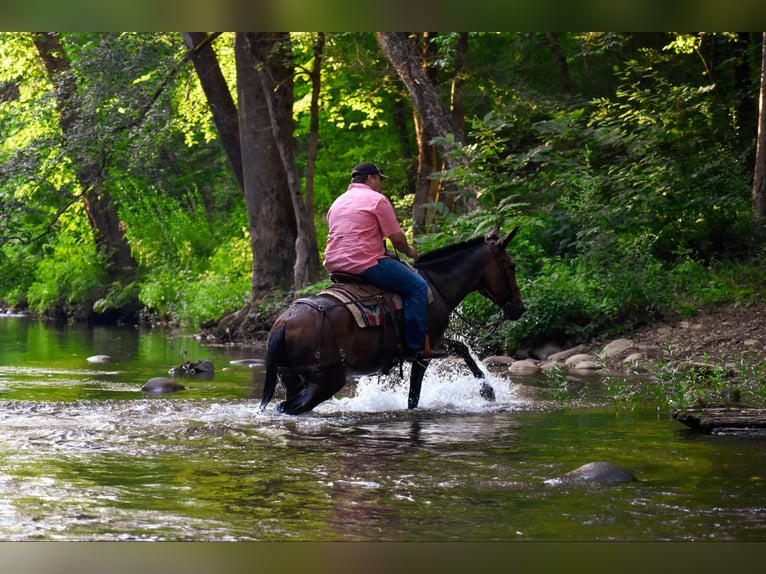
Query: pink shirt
{"points": [[359, 220]]}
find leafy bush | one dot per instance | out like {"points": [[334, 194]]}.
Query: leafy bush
{"points": [[68, 281]]}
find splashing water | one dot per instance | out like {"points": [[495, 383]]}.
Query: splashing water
{"points": [[447, 387]]}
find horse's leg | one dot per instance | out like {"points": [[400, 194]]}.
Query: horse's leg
{"points": [[292, 385], [417, 371], [462, 351], [317, 388]]}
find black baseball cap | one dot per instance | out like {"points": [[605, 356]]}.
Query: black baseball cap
{"points": [[367, 168]]}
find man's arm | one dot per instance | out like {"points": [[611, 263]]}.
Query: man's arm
{"points": [[400, 243]]}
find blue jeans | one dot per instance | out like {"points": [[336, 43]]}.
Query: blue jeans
{"points": [[392, 275]]}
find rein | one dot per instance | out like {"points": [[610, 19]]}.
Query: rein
{"points": [[496, 324], [497, 255]]}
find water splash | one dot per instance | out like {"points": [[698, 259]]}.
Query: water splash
{"points": [[447, 387]]}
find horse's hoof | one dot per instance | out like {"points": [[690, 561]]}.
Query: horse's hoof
{"points": [[487, 392]]}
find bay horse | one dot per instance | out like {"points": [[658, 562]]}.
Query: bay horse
{"points": [[316, 343]]}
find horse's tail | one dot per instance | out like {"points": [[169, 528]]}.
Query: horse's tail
{"points": [[275, 355]]}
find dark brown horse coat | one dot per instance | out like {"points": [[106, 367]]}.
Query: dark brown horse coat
{"points": [[316, 343]]}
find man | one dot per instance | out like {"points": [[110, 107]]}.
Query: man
{"points": [[360, 220]]}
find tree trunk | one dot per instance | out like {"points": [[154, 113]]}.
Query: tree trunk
{"points": [[759, 180], [457, 106], [565, 80], [723, 419], [446, 194], [89, 163], [402, 114], [270, 214], [271, 52], [745, 100], [218, 96], [408, 64], [313, 149], [436, 120], [425, 188]]}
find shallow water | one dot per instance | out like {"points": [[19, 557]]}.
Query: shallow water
{"points": [[84, 455]]}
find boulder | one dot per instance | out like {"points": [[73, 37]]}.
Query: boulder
{"points": [[543, 352], [202, 369], [162, 385], [578, 358], [562, 356], [596, 473], [496, 360], [617, 347], [525, 367]]}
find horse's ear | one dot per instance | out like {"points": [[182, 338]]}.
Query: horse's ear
{"points": [[492, 235], [507, 239]]}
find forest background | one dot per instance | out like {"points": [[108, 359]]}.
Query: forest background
{"points": [[185, 177]]}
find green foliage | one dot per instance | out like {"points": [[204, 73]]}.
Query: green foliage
{"points": [[669, 385], [625, 169], [197, 264], [192, 297], [69, 280], [626, 203]]}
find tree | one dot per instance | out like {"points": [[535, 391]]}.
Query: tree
{"points": [[313, 147], [222, 105], [270, 215], [759, 179], [89, 158], [433, 119], [275, 73], [258, 140]]}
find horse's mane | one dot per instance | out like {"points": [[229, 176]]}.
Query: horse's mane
{"points": [[447, 251]]}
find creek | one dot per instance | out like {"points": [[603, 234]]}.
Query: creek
{"points": [[85, 455]]}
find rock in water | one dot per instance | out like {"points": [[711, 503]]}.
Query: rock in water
{"points": [[248, 362], [601, 472], [595, 473], [161, 385], [202, 369], [99, 359]]}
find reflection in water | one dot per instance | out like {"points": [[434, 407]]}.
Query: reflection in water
{"points": [[85, 456]]}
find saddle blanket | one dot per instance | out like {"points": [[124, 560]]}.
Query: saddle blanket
{"points": [[368, 304]]}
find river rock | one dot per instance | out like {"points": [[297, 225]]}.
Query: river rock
{"points": [[525, 367], [617, 347], [498, 360], [584, 366], [99, 359], [596, 473], [543, 352], [162, 385], [247, 362], [578, 358], [203, 369], [562, 356]]}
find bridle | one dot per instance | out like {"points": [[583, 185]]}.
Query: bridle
{"points": [[506, 307]]}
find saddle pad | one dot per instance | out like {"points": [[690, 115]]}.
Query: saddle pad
{"points": [[366, 303]]}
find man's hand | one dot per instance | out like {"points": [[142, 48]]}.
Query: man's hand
{"points": [[400, 243]]}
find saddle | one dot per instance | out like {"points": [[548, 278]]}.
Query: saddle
{"points": [[367, 303]]}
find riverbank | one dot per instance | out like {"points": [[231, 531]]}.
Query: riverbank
{"points": [[728, 336]]}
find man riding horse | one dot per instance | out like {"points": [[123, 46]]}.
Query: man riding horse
{"points": [[322, 339], [360, 220]]}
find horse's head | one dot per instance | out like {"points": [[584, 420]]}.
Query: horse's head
{"points": [[499, 282]]}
